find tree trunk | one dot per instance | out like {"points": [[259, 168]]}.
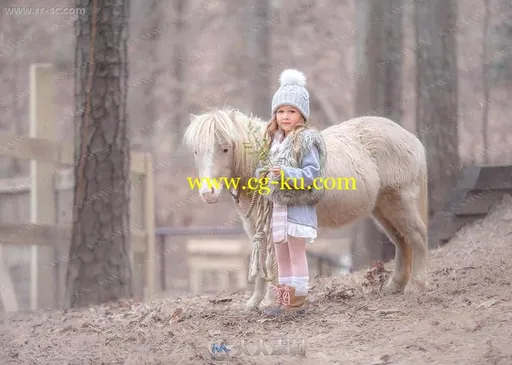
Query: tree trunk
{"points": [[99, 269], [486, 82], [258, 51], [378, 92], [150, 43], [179, 90], [436, 94]]}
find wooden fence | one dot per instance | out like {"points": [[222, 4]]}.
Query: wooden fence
{"points": [[49, 188], [209, 259]]}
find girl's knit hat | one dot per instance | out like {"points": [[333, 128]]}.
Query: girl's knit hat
{"points": [[292, 92]]}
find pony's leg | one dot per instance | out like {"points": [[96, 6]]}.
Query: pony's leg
{"points": [[260, 285], [403, 254], [401, 209], [269, 296], [418, 238], [419, 282], [261, 291]]}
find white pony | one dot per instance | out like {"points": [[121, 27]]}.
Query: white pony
{"points": [[387, 162]]}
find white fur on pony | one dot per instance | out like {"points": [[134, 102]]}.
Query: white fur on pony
{"points": [[387, 162]]}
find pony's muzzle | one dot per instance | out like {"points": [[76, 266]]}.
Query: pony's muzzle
{"points": [[210, 195]]}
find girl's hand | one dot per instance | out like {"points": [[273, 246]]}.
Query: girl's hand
{"points": [[275, 170]]}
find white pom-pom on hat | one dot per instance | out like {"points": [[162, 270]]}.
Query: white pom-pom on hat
{"points": [[293, 77]]}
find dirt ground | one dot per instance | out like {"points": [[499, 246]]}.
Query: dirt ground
{"points": [[465, 318]]}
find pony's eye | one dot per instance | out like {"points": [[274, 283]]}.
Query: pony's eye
{"points": [[225, 150], [195, 153]]}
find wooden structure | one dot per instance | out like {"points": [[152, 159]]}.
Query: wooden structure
{"points": [[479, 188], [210, 259], [217, 264], [223, 264], [48, 239], [174, 264]]}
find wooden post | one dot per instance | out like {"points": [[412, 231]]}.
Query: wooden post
{"points": [[149, 226], [7, 292], [194, 280], [137, 221], [42, 198], [242, 274], [163, 255]]}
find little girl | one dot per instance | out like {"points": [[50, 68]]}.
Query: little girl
{"points": [[298, 156]]}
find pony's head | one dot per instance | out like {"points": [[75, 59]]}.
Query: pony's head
{"points": [[218, 140]]}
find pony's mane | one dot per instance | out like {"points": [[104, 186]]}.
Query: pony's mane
{"points": [[228, 126]]}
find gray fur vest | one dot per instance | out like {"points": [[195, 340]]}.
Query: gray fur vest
{"points": [[285, 156]]}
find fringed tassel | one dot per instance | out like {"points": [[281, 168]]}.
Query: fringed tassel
{"points": [[255, 257], [261, 244]]}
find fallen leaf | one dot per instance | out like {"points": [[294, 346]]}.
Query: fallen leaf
{"points": [[67, 328], [417, 347], [213, 333], [343, 293], [177, 316], [376, 275], [223, 300], [487, 303], [379, 265], [384, 359], [389, 311]]}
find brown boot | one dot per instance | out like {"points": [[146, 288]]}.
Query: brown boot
{"points": [[275, 298], [293, 303], [289, 302]]}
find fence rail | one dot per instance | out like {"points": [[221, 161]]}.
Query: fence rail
{"points": [[208, 259]]}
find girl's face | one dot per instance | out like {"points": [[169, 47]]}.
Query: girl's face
{"points": [[288, 117]]}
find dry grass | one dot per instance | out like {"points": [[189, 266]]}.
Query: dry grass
{"points": [[465, 318]]}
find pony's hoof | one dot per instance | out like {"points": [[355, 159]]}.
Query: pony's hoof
{"points": [[392, 287], [265, 304], [416, 287], [250, 307]]}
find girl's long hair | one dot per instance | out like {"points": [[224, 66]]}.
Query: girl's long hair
{"points": [[272, 129]]}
